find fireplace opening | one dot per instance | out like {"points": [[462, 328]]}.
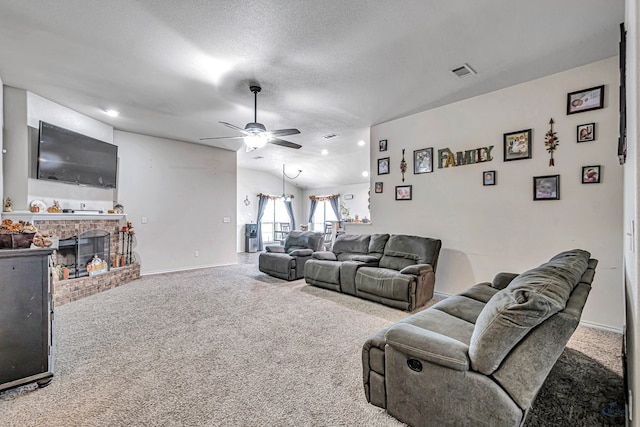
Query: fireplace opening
{"points": [[77, 252]]}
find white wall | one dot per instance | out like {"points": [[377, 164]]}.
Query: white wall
{"points": [[631, 215], [251, 183], [185, 191], [25, 109], [486, 230], [1, 139], [359, 205], [15, 161]]}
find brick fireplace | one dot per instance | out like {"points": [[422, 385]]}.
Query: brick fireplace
{"points": [[69, 226]]}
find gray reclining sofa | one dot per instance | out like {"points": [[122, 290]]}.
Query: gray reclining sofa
{"points": [[287, 261], [396, 270], [480, 357]]}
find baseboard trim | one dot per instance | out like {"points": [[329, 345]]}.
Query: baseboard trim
{"points": [[601, 327], [177, 270]]}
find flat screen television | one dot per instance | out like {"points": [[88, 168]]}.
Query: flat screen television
{"points": [[70, 157]]}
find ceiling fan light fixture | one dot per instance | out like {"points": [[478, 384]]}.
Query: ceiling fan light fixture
{"points": [[256, 140]]}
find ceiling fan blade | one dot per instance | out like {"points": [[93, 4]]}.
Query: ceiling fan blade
{"points": [[235, 127], [284, 132], [283, 143], [223, 137]]}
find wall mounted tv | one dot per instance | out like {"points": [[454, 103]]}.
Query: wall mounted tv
{"points": [[70, 157]]}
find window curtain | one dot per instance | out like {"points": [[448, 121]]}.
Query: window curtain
{"points": [[262, 203], [335, 204], [312, 209], [288, 206]]}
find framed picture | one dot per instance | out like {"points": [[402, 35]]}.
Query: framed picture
{"points": [[383, 145], [546, 187], [591, 174], [585, 100], [378, 186], [489, 178], [517, 145], [383, 166], [403, 192], [586, 132], [423, 160]]}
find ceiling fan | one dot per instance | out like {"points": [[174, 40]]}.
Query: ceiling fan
{"points": [[255, 134]]}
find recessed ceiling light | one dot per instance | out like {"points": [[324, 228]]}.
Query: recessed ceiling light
{"points": [[365, 174], [111, 112], [325, 151], [361, 143]]}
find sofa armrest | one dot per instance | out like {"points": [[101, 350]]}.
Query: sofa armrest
{"points": [[367, 259], [301, 252], [324, 255], [417, 269], [502, 280], [275, 249], [429, 346]]}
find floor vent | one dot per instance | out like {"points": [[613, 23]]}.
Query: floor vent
{"points": [[463, 71]]}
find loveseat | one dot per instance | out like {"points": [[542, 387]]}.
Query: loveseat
{"points": [[480, 357], [287, 261], [397, 270]]}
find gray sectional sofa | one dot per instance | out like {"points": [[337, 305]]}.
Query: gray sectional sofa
{"points": [[396, 270], [480, 357]]}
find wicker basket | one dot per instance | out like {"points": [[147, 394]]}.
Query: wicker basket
{"points": [[15, 240]]}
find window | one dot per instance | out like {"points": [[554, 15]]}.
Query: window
{"points": [[275, 213], [324, 212]]}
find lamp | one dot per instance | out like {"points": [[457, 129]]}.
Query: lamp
{"points": [[287, 197]]}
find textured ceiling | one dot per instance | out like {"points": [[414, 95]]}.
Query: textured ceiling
{"points": [[175, 68]]}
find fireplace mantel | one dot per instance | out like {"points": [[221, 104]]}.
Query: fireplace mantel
{"points": [[46, 216], [67, 225]]}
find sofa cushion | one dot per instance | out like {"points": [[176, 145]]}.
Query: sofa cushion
{"points": [[482, 292], [276, 262], [461, 307], [351, 243], [321, 271], [303, 240], [377, 244], [527, 301], [384, 283], [442, 323], [402, 250]]}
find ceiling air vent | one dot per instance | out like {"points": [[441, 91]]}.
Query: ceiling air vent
{"points": [[257, 157], [463, 71], [330, 136]]}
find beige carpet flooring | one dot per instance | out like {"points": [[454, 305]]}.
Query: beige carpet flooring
{"points": [[230, 346]]}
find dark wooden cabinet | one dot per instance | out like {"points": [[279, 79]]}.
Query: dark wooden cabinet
{"points": [[26, 317]]}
